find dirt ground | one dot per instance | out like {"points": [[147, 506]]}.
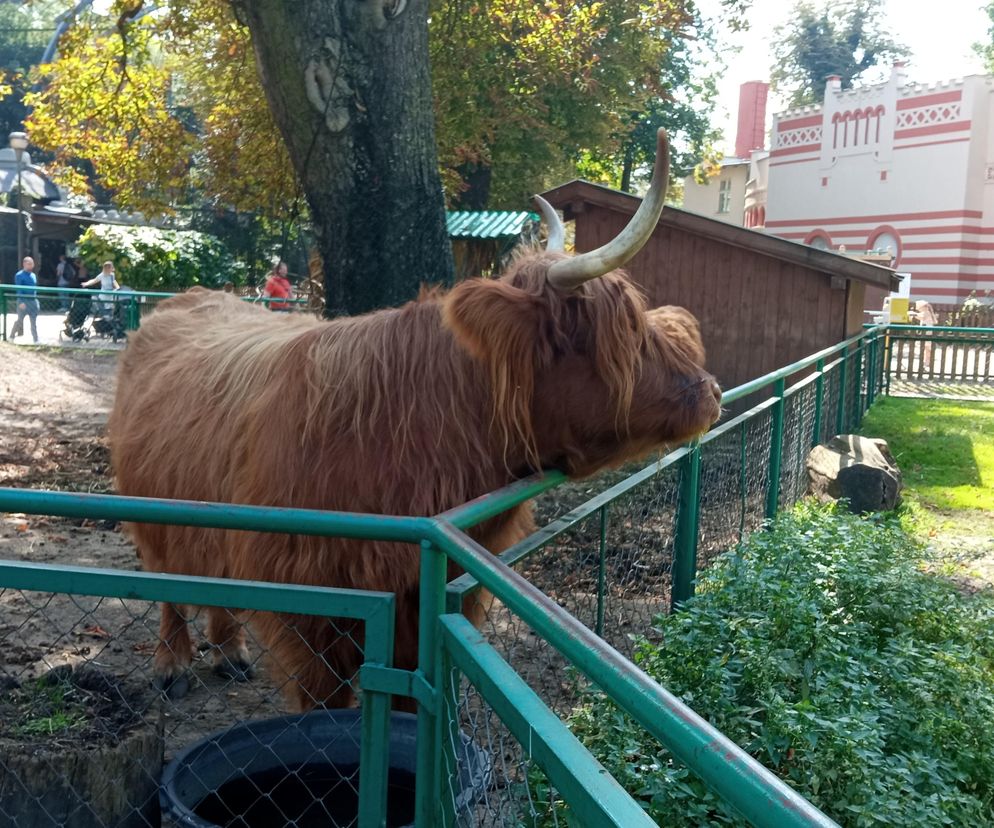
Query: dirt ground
{"points": [[53, 409]]}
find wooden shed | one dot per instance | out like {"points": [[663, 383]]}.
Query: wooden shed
{"points": [[763, 302]]}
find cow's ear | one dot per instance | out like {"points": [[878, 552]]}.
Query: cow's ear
{"points": [[494, 320]]}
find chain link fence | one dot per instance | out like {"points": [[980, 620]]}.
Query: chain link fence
{"points": [[609, 560], [613, 554], [92, 735]]}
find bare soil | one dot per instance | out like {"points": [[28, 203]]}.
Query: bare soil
{"points": [[53, 411]]}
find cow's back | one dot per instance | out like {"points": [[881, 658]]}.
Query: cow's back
{"points": [[183, 404]]}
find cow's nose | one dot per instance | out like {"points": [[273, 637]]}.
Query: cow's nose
{"points": [[716, 391]]}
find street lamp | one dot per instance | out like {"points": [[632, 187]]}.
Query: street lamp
{"points": [[19, 143]]}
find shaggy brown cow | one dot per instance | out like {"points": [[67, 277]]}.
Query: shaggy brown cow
{"points": [[407, 411]]}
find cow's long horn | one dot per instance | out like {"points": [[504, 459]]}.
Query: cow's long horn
{"points": [[557, 233], [571, 273]]}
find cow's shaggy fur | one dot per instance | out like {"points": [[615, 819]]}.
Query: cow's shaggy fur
{"points": [[406, 411]]}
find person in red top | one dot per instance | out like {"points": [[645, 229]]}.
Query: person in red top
{"points": [[278, 287]]}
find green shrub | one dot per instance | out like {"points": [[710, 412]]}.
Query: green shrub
{"points": [[147, 258], [826, 652]]}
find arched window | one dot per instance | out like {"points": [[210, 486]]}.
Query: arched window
{"points": [[819, 240], [845, 129], [855, 127], [879, 112], [835, 132], [885, 239], [867, 114], [761, 222]]}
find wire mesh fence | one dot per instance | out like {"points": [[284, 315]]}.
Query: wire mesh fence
{"points": [[106, 719], [734, 484], [609, 560], [489, 778], [613, 561]]}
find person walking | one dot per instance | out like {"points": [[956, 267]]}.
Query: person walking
{"points": [[27, 300], [107, 281]]}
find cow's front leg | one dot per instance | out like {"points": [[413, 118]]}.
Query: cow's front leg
{"points": [[174, 653], [226, 634]]}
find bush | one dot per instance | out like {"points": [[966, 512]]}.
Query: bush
{"points": [[147, 258], [826, 652]]}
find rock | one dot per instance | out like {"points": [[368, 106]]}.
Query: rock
{"points": [[860, 469]]}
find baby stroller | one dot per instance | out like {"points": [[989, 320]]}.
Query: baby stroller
{"points": [[75, 327], [111, 320]]}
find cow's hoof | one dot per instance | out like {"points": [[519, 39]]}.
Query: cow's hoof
{"points": [[173, 687], [235, 670]]}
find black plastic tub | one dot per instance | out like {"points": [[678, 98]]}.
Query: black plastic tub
{"points": [[301, 771]]}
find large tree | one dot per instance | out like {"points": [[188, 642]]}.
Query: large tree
{"points": [[839, 38], [170, 107], [348, 85], [524, 91]]}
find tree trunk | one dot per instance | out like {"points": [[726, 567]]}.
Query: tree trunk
{"points": [[627, 164], [349, 86], [115, 784]]}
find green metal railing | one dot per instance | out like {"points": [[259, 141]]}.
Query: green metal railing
{"points": [[807, 401], [748, 787], [134, 304], [844, 360]]}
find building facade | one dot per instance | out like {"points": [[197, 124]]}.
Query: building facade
{"points": [[730, 196], [899, 168], [723, 196]]}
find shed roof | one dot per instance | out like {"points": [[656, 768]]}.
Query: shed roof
{"points": [[487, 224], [572, 196]]}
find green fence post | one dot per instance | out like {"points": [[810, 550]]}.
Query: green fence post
{"points": [[601, 572], [743, 480], [449, 734], [857, 403], [687, 519], [3, 311], [427, 792], [871, 374], [776, 451], [888, 356], [819, 402], [374, 748], [840, 409]]}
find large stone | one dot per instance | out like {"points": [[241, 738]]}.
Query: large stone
{"points": [[860, 469]]}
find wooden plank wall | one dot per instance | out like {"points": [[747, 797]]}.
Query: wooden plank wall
{"points": [[757, 313]]}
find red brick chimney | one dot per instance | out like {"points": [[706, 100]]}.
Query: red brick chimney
{"points": [[751, 133]]}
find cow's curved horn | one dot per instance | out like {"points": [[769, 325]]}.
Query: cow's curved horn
{"points": [[571, 273], [557, 233]]}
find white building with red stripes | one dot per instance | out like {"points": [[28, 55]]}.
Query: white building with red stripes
{"points": [[902, 167]]}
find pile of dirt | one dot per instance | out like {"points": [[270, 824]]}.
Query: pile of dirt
{"points": [[69, 707]]}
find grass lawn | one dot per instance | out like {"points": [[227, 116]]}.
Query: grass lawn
{"points": [[945, 449]]}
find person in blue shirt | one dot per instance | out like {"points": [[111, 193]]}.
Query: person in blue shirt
{"points": [[27, 300]]}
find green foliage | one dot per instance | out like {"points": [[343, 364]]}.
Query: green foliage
{"points": [[846, 39], [826, 652], [985, 49], [147, 258], [527, 94]]}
